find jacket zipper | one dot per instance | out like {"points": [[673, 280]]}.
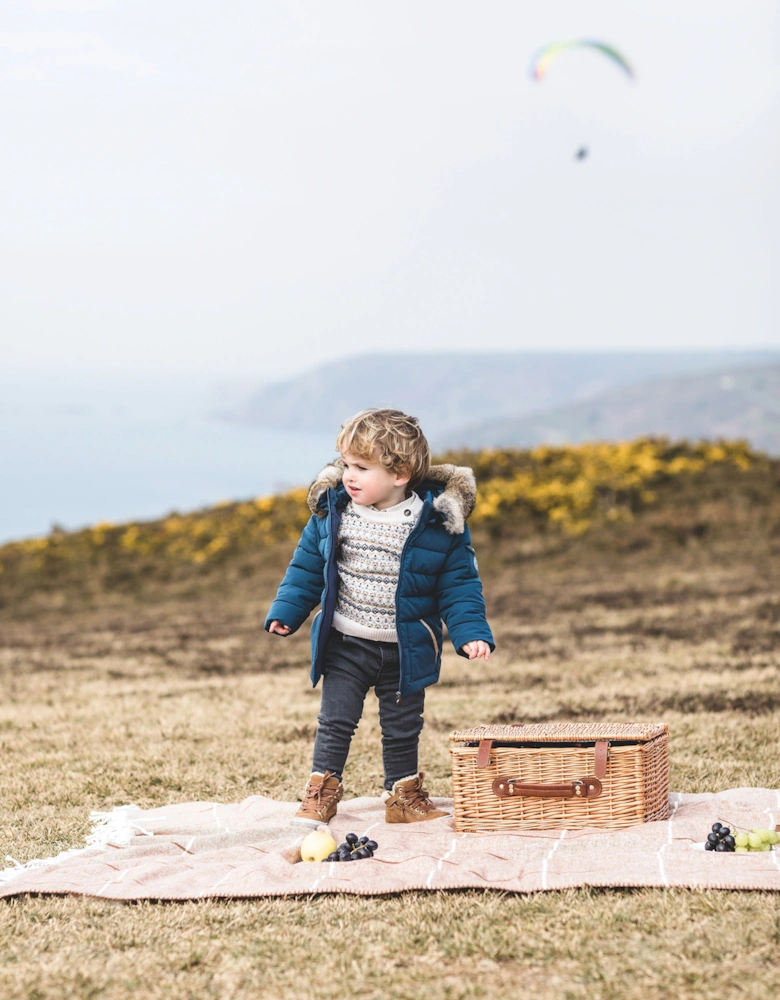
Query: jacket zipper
{"points": [[417, 528], [331, 550]]}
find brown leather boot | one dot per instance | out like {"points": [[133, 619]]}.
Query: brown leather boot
{"points": [[408, 802], [320, 800]]}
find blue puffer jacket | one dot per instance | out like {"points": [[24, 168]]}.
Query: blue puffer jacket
{"points": [[438, 576]]}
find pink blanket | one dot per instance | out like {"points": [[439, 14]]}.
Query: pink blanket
{"points": [[248, 849]]}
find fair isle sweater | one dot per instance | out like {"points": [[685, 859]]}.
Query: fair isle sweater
{"points": [[368, 559]]}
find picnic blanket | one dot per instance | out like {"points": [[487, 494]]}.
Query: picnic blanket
{"points": [[197, 850]]}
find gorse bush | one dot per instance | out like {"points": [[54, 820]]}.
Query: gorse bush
{"points": [[571, 488], [201, 537], [578, 486]]}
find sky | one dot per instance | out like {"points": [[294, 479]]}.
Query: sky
{"points": [[244, 189]]}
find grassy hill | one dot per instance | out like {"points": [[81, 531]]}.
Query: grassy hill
{"points": [[569, 491], [634, 581]]}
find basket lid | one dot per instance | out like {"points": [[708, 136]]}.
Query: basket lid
{"points": [[561, 732]]}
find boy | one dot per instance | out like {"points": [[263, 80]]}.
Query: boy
{"points": [[387, 554]]}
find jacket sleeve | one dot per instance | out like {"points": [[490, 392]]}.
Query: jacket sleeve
{"points": [[459, 593], [301, 589]]}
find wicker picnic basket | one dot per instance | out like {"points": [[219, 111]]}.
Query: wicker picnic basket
{"points": [[559, 775]]}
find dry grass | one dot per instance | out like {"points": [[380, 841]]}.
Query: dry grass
{"points": [[616, 945], [173, 696]]}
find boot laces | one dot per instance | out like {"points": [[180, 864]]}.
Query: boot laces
{"points": [[315, 793], [416, 798]]}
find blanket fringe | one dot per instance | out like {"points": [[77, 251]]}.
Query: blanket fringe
{"points": [[114, 828]]}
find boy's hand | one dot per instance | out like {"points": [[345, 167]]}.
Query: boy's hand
{"points": [[476, 649], [280, 629]]}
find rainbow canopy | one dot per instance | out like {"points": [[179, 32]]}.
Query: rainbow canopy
{"points": [[541, 61]]}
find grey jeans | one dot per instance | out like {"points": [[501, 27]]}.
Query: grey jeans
{"points": [[351, 667]]}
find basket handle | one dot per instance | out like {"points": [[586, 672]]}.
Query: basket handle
{"points": [[581, 788]]}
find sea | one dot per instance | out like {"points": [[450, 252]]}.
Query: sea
{"points": [[77, 450]]}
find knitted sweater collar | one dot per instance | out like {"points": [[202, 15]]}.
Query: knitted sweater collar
{"points": [[401, 513]]}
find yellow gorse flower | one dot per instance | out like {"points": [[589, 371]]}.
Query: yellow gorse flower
{"points": [[576, 486], [573, 487]]}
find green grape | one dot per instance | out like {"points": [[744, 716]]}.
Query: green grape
{"points": [[766, 836], [775, 837], [742, 850], [754, 841], [741, 840], [765, 847]]}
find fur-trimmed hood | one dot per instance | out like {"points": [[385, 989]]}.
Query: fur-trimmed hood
{"points": [[454, 484]]}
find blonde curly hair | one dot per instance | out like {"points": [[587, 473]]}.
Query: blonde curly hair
{"points": [[389, 437]]}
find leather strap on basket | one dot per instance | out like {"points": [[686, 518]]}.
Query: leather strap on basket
{"points": [[582, 788], [483, 753], [602, 753], [600, 768]]}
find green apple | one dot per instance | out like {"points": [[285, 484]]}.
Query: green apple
{"points": [[317, 845]]}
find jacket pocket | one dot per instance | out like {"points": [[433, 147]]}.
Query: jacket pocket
{"points": [[432, 634], [315, 634]]}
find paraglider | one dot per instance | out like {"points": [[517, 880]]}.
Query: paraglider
{"points": [[544, 57]]}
